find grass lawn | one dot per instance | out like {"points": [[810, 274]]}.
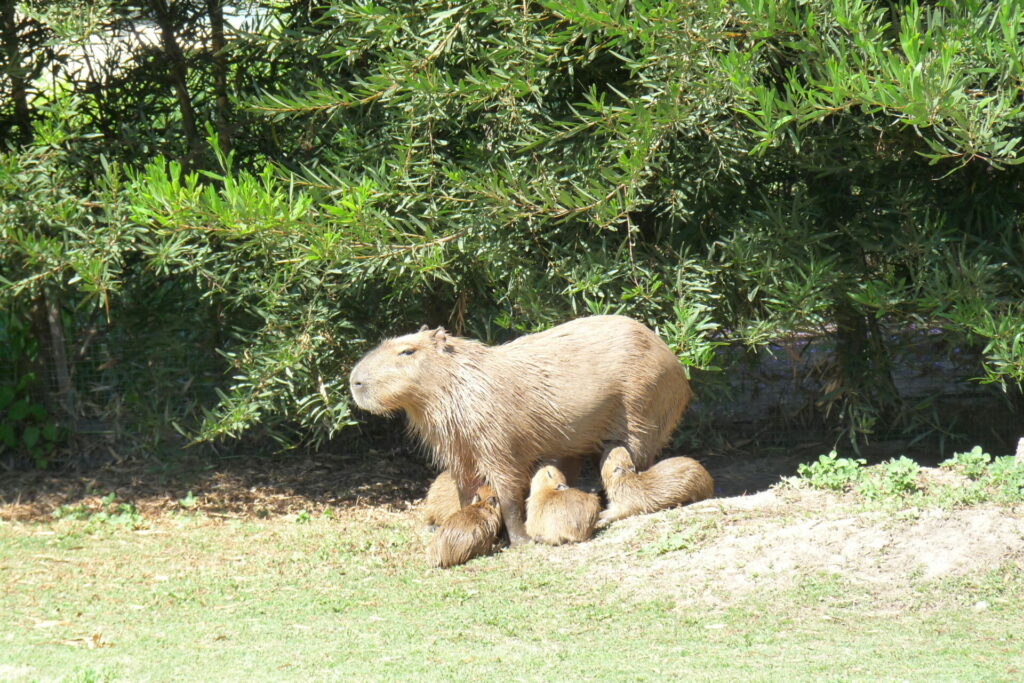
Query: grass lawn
{"points": [[348, 597]]}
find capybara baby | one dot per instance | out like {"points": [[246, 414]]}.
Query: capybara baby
{"points": [[557, 514], [671, 482], [493, 411], [470, 532], [442, 500]]}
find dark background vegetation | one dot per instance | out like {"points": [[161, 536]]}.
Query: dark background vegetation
{"points": [[208, 212]]}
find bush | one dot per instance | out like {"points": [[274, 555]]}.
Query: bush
{"points": [[726, 172]]}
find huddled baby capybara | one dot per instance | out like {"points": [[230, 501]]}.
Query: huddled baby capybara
{"points": [[470, 532], [671, 482], [556, 513], [442, 501]]}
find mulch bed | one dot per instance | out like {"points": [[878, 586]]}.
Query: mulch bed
{"points": [[235, 487]]}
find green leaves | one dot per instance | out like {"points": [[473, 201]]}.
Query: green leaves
{"points": [[727, 172]]}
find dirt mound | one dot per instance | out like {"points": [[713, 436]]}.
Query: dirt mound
{"points": [[777, 538]]}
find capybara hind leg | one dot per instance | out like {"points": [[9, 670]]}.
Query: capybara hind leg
{"points": [[643, 443]]}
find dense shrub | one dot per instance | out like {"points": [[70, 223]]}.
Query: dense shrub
{"points": [[737, 171]]}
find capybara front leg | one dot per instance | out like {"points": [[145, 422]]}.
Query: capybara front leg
{"points": [[512, 514]]}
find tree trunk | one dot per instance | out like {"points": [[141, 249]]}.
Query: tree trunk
{"points": [[15, 71], [178, 75], [220, 74], [52, 369]]}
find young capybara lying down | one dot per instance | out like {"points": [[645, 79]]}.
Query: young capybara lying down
{"points": [[557, 514], [671, 482], [470, 532], [493, 411]]}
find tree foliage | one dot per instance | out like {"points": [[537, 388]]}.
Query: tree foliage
{"points": [[728, 172]]}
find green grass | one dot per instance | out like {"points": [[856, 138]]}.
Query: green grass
{"points": [[351, 599]]}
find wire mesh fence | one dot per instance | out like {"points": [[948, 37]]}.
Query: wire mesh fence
{"points": [[121, 395]]}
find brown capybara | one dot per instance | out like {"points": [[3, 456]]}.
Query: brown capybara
{"points": [[442, 500], [470, 532], [671, 482], [557, 514], [493, 411]]}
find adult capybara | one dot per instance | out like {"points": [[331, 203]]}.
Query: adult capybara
{"points": [[493, 411], [671, 482], [470, 532], [556, 513], [442, 500]]}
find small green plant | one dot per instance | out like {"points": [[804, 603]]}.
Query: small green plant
{"points": [[303, 517], [832, 472], [1006, 476], [972, 464], [76, 512], [688, 538], [110, 513], [188, 502], [893, 478]]}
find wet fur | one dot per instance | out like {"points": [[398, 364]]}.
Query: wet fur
{"points": [[557, 514], [671, 482], [468, 533], [493, 411]]}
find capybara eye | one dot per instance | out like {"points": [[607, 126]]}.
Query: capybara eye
{"points": [[406, 352]]}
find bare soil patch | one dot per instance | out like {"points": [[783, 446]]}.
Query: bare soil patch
{"points": [[778, 538]]}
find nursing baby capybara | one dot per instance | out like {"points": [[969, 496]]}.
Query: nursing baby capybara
{"points": [[556, 513], [493, 411], [442, 500], [671, 482], [470, 532]]}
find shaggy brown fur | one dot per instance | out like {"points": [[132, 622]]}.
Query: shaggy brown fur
{"points": [[442, 500], [470, 532], [671, 482], [493, 411], [557, 514]]}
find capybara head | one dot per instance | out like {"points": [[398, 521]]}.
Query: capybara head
{"points": [[396, 375], [617, 463], [487, 496], [548, 478]]}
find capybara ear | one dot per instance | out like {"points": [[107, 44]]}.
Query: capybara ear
{"points": [[476, 499], [561, 487], [424, 328], [440, 338], [493, 501]]}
